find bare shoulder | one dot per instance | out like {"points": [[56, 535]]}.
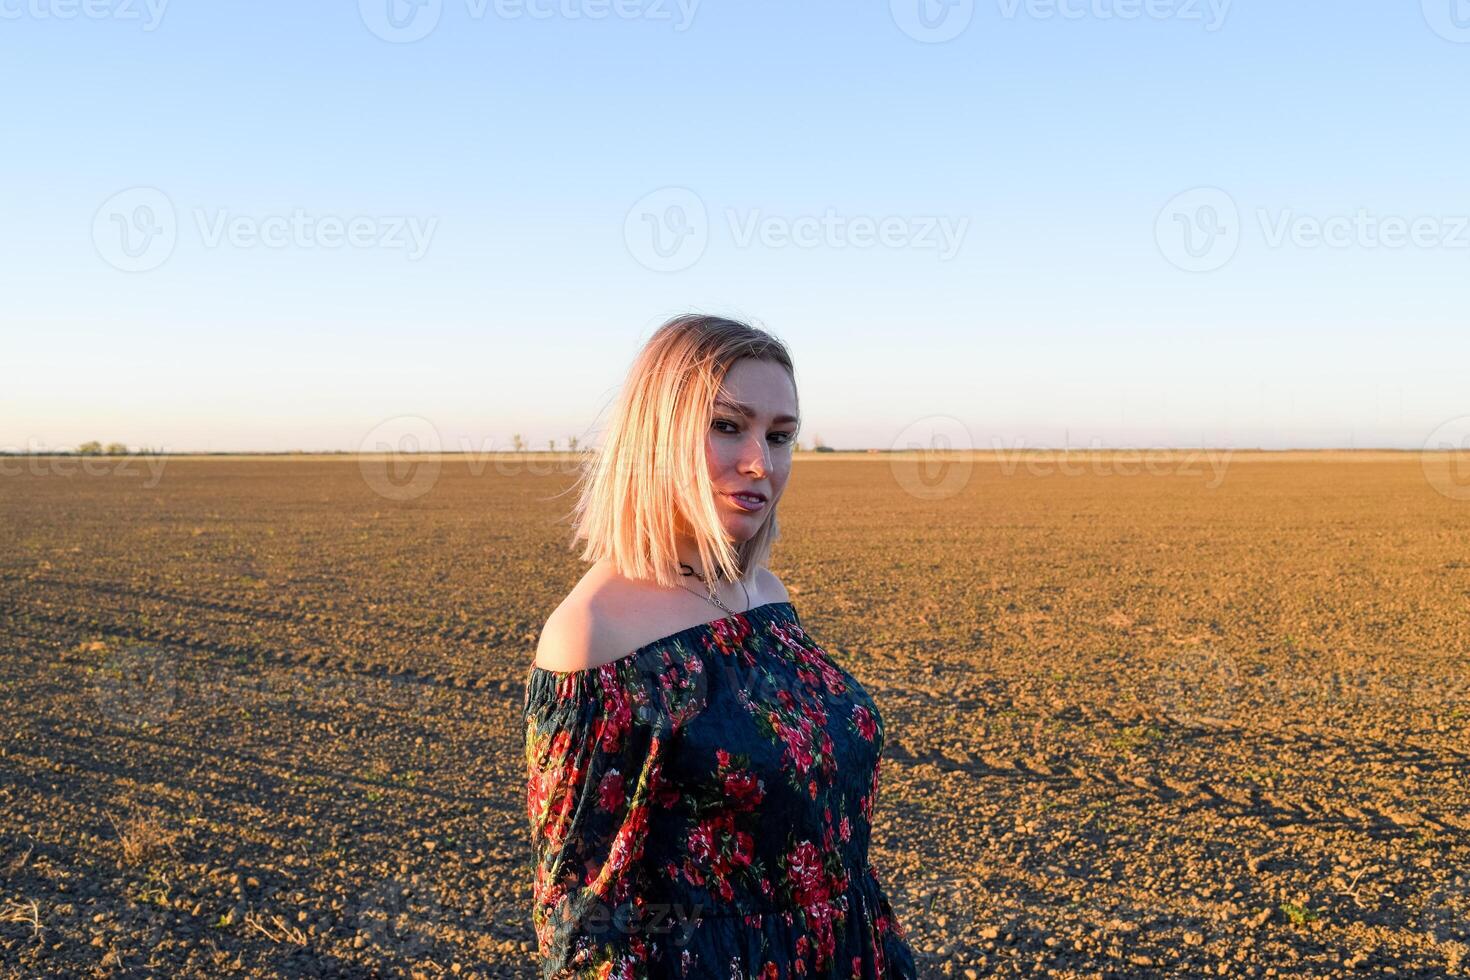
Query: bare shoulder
{"points": [[605, 617], [566, 641], [587, 629], [769, 587]]}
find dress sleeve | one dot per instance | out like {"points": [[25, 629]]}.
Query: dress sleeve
{"points": [[594, 748]]}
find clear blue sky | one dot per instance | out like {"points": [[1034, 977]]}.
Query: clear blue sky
{"points": [[521, 147]]}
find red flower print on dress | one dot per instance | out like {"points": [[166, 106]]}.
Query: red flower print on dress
{"points": [[701, 846], [798, 746], [610, 791], [730, 634], [744, 849], [807, 876], [812, 661], [744, 790]]}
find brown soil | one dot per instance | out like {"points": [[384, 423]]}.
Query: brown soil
{"points": [[262, 717]]}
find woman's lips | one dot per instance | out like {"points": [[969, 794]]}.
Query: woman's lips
{"points": [[750, 504]]}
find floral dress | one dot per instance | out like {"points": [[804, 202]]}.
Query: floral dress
{"points": [[701, 808]]}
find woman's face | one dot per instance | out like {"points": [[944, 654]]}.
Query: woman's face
{"points": [[749, 444]]}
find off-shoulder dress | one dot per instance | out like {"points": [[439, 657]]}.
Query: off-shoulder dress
{"points": [[702, 806]]}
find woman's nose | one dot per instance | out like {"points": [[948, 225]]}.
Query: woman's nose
{"points": [[755, 460]]}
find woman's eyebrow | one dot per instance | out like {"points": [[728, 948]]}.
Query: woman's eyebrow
{"points": [[749, 412]]}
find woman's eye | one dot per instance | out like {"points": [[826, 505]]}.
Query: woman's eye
{"points": [[780, 438]]}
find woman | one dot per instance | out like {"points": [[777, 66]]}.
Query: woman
{"points": [[700, 792]]}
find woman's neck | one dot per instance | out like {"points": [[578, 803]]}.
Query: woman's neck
{"points": [[688, 553]]}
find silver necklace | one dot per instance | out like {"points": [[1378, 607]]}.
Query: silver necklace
{"points": [[710, 595]]}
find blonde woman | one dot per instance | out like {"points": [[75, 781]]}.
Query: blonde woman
{"points": [[700, 792]]}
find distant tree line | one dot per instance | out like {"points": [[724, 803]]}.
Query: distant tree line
{"points": [[95, 448], [519, 444]]}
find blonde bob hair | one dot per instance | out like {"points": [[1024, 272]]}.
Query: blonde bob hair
{"points": [[649, 482]]}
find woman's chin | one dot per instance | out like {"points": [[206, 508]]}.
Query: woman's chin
{"points": [[741, 530]]}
